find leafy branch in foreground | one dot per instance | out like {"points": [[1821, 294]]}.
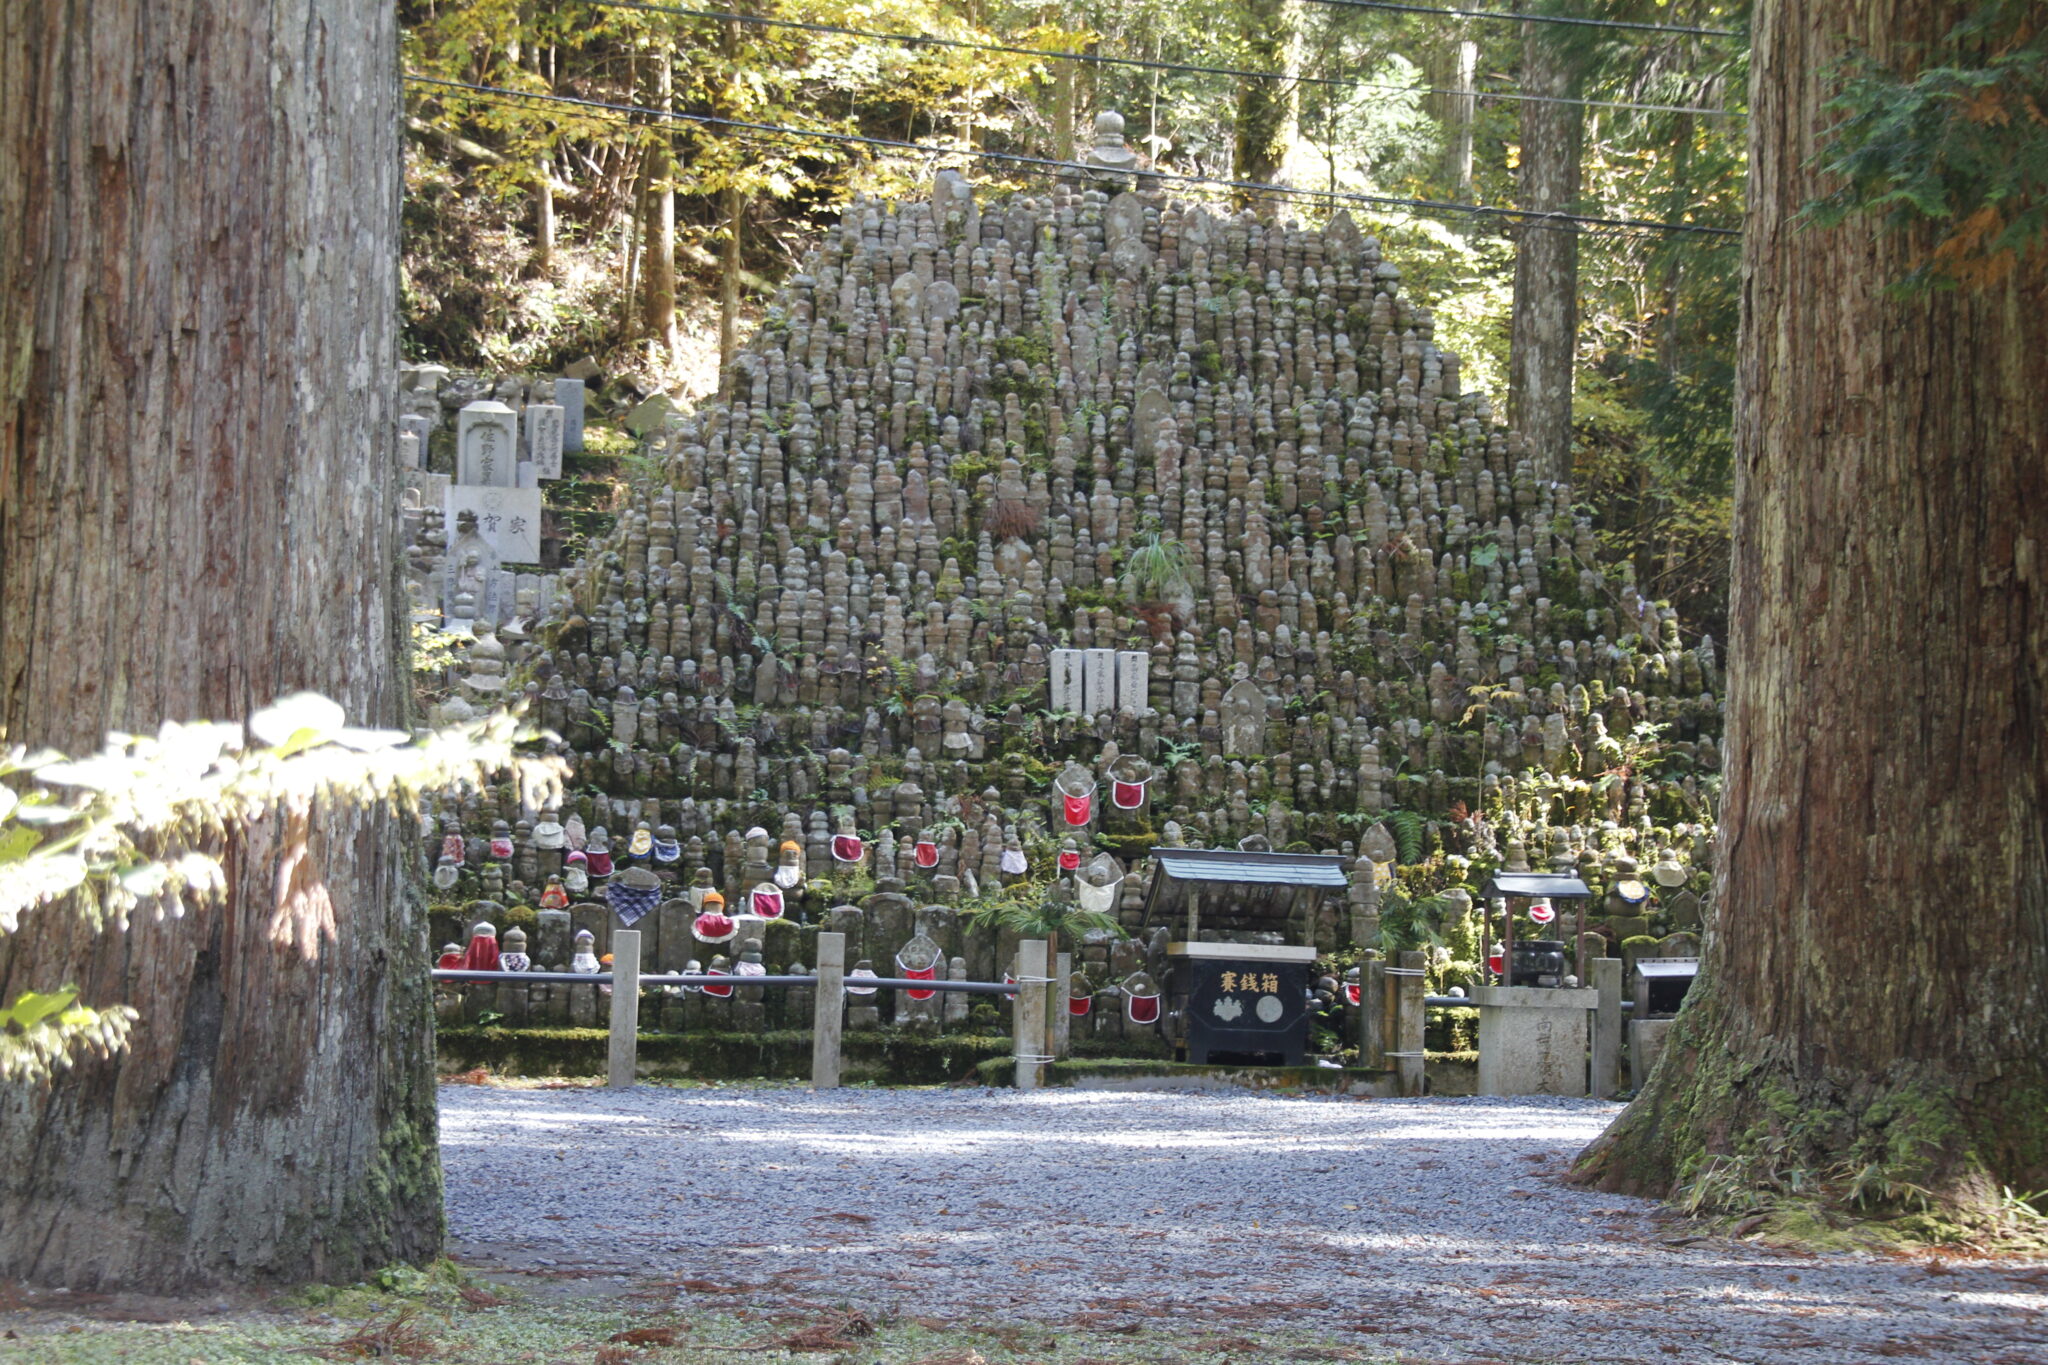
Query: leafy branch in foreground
{"points": [[142, 826]]}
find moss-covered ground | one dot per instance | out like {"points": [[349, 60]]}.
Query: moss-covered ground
{"points": [[448, 1315]]}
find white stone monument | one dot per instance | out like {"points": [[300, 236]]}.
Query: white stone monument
{"points": [[487, 446]]}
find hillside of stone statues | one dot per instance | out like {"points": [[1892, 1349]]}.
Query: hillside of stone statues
{"points": [[1083, 523]]}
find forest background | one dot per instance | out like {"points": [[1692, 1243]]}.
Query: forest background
{"points": [[552, 213]]}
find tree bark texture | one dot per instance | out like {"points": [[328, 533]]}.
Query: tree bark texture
{"points": [[1456, 72], [1267, 110], [1543, 345], [1873, 1004], [661, 219], [198, 514]]}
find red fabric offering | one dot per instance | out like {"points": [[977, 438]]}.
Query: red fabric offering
{"points": [[1127, 795], [1078, 808]]}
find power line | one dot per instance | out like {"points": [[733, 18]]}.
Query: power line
{"points": [[1096, 59], [1692, 30], [1076, 167]]}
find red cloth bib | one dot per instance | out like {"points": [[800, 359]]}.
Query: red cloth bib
{"points": [[930, 973], [1127, 795], [1142, 1009], [501, 848], [1070, 862], [848, 848], [927, 853], [768, 902], [1352, 992], [1078, 808], [1079, 1005], [451, 847], [722, 992]]}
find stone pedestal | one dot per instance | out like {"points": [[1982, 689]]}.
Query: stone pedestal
{"points": [[1645, 1042], [1532, 1040]]}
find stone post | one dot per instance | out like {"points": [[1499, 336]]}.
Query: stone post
{"points": [[831, 1006], [625, 1041], [1056, 1005], [1372, 1014], [1406, 989], [1027, 1027], [1606, 1076]]}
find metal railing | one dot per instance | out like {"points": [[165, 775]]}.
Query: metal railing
{"points": [[1029, 992]]}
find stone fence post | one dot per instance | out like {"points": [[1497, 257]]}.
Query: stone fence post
{"points": [[1027, 1026], [830, 1012], [625, 1040]]}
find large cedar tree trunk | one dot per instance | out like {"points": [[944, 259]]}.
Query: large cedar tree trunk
{"points": [[661, 219], [1267, 110], [1543, 345], [198, 328], [1874, 995]]}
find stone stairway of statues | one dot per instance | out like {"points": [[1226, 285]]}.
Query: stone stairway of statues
{"points": [[1030, 534]]}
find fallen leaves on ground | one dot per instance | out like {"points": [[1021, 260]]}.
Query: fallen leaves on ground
{"points": [[650, 1336], [476, 1300], [395, 1338], [477, 1076], [953, 1358], [714, 1287]]}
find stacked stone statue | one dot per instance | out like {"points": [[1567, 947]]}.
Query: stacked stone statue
{"points": [[1084, 522]]}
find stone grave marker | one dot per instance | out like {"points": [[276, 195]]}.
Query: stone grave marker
{"points": [[1098, 682], [1067, 693], [508, 519], [569, 396], [1133, 681], [545, 435], [487, 449]]}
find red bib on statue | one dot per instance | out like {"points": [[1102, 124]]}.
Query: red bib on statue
{"points": [[1070, 861], [1127, 795], [768, 902], [848, 848], [1351, 992], [722, 992], [1078, 808], [1142, 1009], [930, 973], [1079, 1005], [927, 853]]}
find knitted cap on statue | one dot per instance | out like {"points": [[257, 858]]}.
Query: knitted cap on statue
{"points": [[713, 925]]}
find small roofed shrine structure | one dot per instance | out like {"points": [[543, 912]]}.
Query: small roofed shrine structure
{"points": [[1537, 889], [1237, 951]]}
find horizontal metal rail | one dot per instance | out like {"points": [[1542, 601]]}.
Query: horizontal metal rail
{"points": [[456, 974]]}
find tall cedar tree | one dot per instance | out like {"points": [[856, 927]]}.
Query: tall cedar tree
{"points": [[1873, 1006], [198, 513]]}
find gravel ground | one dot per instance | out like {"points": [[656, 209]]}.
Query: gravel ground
{"points": [[1428, 1230]]}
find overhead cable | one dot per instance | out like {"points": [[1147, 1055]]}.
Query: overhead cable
{"points": [[1082, 168], [1140, 63], [1509, 16]]}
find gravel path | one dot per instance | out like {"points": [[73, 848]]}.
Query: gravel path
{"points": [[1424, 1229]]}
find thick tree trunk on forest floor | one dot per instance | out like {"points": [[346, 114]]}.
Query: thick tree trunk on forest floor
{"points": [[1543, 347], [198, 513], [1873, 1006]]}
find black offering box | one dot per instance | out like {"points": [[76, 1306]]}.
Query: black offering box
{"points": [[1239, 988]]}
